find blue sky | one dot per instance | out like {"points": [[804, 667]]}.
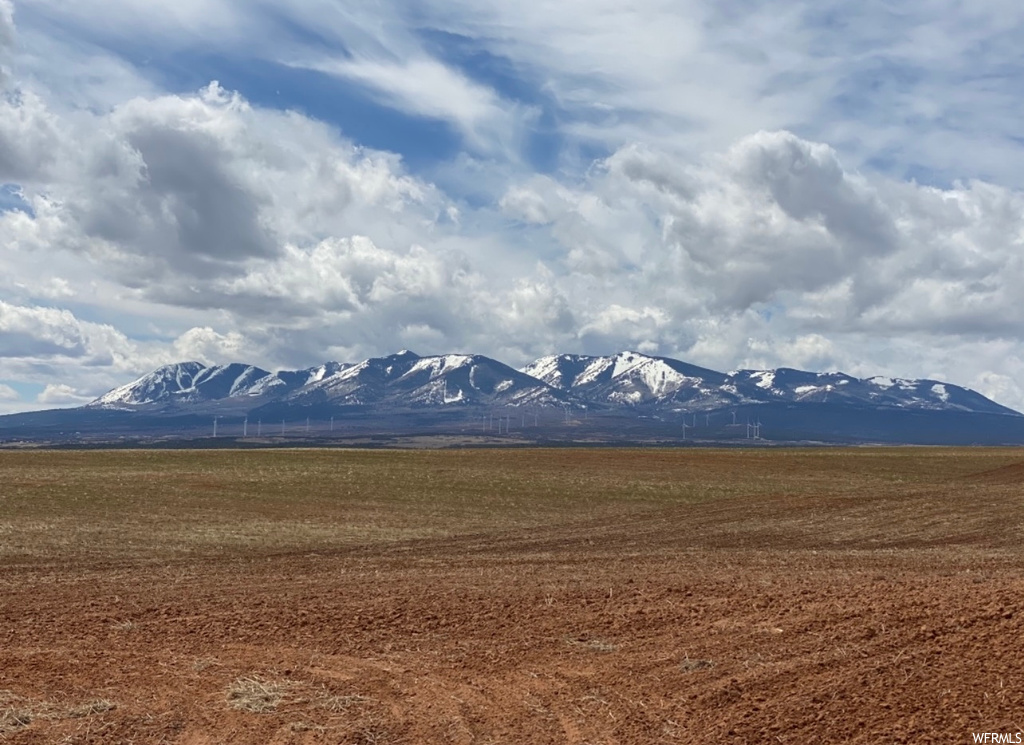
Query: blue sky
{"points": [[738, 184]]}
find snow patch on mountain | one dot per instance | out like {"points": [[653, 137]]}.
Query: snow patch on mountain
{"points": [[439, 366], [622, 363], [158, 385], [594, 371]]}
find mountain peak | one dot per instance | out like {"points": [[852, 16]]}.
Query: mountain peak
{"points": [[158, 385]]}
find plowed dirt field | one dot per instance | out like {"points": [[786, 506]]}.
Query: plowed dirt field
{"points": [[519, 597]]}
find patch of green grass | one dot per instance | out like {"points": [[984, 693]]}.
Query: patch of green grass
{"points": [[142, 506]]}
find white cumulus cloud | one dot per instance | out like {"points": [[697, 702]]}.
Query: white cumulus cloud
{"points": [[60, 394]]}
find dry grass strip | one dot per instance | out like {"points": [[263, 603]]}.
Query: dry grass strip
{"points": [[255, 695], [17, 712]]}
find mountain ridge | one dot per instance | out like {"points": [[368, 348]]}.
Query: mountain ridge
{"points": [[466, 400], [624, 381]]}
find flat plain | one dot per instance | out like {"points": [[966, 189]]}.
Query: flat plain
{"points": [[511, 596]]}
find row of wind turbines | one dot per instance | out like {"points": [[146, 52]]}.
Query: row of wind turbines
{"points": [[502, 423], [259, 426], [753, 428]]}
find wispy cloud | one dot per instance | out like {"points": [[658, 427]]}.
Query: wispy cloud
{"points": [[426, 88]]}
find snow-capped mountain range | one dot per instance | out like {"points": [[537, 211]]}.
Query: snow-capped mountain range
{"points": [[191, 382], [624, 381]]}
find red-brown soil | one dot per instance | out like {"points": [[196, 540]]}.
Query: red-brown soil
{"points": [[756, 619]]}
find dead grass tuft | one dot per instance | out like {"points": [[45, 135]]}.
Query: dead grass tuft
{"points": [[89, 708], [202, 663], [304, 726], [375, 735], [342, 703], [17, 712], [689, 666], [255, 695], [14, 719]]}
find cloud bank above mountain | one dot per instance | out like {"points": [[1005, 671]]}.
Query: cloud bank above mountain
{"points": [[821, 188]]}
